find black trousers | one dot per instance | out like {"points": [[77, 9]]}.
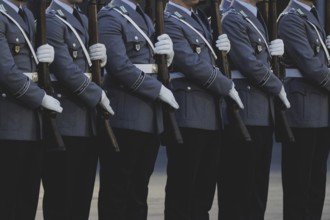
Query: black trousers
{"points": [[124, 176], [68, 180], [20, 169], [244, 175], [304, 168], [191, 175]]}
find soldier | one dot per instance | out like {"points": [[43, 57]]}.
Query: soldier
{"points": [[129, 34], [69, 176], [244, 176], [20, 126], [304, 162], [198, 86]]}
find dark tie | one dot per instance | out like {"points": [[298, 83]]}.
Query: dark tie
{"points": [[22, 14], [196, 18], [77, 15], [140, 11], [314, 12]]}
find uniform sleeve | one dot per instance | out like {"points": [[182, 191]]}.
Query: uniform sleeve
{"points": [[243, 57], [119, 65], [191, 65]]}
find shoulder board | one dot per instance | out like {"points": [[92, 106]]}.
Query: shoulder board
{"points": [[295, 11], [2, 8], [122, 9]]}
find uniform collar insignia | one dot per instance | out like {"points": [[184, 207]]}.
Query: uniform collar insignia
{"points": [[243, 14], [123, 9], [2, 8], [60, 13], [177, 14], [301, 13]]}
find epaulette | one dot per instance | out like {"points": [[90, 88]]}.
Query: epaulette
{"points": [[122, 9], [2, 8], [298, 12], [178, 15], [230, 11]]}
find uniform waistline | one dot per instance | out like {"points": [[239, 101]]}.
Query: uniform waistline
{"points": [[235, 74], [147, 68], [294, 73], [53, 77]]}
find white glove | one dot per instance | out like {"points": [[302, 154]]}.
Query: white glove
{"points": [[283, 97], [167, 96], [276, 47], [234, 95], [98, 52], [165, 46], [327, 41], [105, 103], [223, 43], [51, 103], [45, 53]]}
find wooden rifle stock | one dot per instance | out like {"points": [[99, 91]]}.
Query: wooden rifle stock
{"points": [[235, 119], [283, 130], [103, 115], [51, 133], [327, 19], [172, 131], [148, 9]]}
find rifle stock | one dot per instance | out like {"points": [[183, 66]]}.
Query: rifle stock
{"points": [[235, 119], [172, 131], [103, 115], [283, 130], [50, 131]]}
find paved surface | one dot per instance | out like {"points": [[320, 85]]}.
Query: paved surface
{"points": [[157, 183]]}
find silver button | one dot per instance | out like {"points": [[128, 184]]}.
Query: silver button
{"points": [[189, 88], [259, 40], [17, 40], [248, 87], [59, 95], [4, 95], [197, 40], [136, 37], [74, 44]]}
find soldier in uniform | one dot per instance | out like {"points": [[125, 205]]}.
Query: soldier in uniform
{"points": [[304, 162], [20, 124], [136, 95], [69, 176], [198, 85], [243, 188]]}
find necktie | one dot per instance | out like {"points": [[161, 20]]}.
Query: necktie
{"points": [[196, 18], [22, 14], [314, 12], [140, 11], [77, 15]]}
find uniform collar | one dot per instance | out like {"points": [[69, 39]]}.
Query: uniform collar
{"points": [[180, 7], [307, 7], [66, 7], [13, 6], [250, 7], [129, 3]]}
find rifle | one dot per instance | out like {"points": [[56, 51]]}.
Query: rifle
{"points": [[283, 130], [148, 9], [232, 108], [327, 17], [103, 115], [51, 133], [172, 132]]}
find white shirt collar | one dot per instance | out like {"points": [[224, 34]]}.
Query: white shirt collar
{"points": [[131, 4], [307, 7], [12, 5], [251, 8], [66, 7], [181, 7]]}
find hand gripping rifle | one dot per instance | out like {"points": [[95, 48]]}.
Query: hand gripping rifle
{"points": [[283, 130], [103, 115], [51, 133], [235, 119], [172, 132]]}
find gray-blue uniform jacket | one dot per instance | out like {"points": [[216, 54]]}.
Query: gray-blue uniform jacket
{"points": [[20, 97], [197, 84], [133, 93], [309, 95], [249, 56], [77, 94]]}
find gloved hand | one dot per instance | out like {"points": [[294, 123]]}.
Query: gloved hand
{"points": [[51, 103], [234, 95], [223, 43], [276, 47], [105, 103], [45, 53], [165, 46], [327, 41], [167, 96], [98, 52], [283, 97]]}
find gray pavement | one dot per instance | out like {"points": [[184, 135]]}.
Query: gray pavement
{"points": [[157, 183]]}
